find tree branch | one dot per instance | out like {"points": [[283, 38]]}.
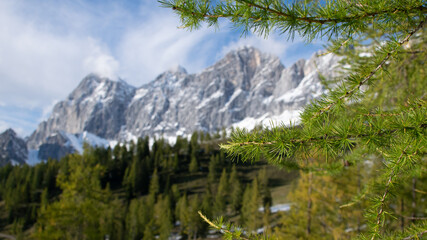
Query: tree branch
{"points": [[309, 20], [219, 227], [325, 137], [387, 190], [372, 73], [416, 236], [334, 20]]}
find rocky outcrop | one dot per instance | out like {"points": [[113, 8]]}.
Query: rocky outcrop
{"points": [[13, 149], [97, 105], [55, 146]]}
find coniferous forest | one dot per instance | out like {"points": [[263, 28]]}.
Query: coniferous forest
{"points": [[138, 191]]}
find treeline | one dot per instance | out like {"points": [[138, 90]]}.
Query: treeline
{"points": [[133, 191]]}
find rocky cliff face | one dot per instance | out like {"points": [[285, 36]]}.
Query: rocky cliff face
{"points": [[55, 146], [97, 105], [227, 92], [12, 148], [246, 83]]}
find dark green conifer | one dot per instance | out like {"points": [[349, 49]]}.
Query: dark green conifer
{"points": [[250, 215], [235, 190], [220, 204], [194, 165], [163, 217], [154, 188], [213, 166]]}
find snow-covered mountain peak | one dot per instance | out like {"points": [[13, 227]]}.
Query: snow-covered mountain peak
{"points": [[250, 55], [9, 132], [12, 148], [97, 104], [95, 88], [90, 80], [244, 87], [177, 69], [168, 78]]}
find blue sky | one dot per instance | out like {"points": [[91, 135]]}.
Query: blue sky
{"points": [[48, 46]]}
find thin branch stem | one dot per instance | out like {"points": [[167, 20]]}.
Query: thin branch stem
{"points": [[324, 137], [387, 190], [416, 236], [218, 227], [415, 218], [381, 115]]}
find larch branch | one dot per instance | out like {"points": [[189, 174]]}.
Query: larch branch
{"points": [[371, 74]]}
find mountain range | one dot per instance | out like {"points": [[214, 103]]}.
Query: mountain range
{"points": [[242, 89]]}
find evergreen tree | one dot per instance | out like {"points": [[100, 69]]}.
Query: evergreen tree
{"points": [[235, 190], [207, 203], [213, 165], [17, 194], [194, 165], [44, 199], [264, 189], [195, 225], [36, 182], [174, 162], [377, 104], [84, 208], [321, 208], [148, 231], [134, 220], [181, 145], [182, 214], [220, 203], [132, 178], [163, 217], [154, 188], [174, 194], [250, 216], [143, 148]]}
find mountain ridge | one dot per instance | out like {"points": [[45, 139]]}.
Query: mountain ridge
{"points": [[244, 87], [12, 148]]}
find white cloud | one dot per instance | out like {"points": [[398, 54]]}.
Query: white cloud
{"points": [[3, 126], [101, 63], [288, 51], [47, 110], [41, 61], [39, 65], [272, 45], [157, 44]]}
